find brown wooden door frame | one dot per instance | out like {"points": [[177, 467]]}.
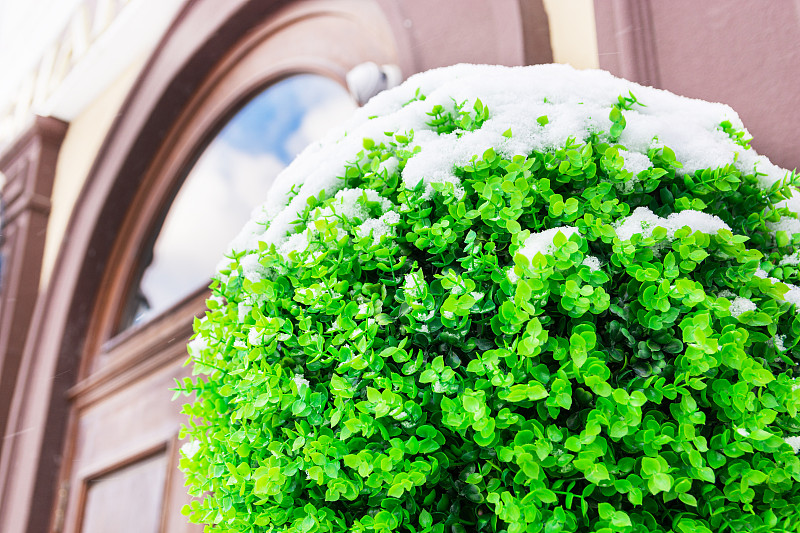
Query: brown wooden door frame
{"points": [[29, 165], [296, 40]]}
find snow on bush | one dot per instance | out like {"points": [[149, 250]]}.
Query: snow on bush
{"points": [[506, 300]]}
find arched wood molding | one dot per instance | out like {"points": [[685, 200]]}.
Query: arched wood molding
{"points": [[278, 49]]}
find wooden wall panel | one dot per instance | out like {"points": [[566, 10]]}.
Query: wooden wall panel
{"points": [[127, 500], [29, 166]]}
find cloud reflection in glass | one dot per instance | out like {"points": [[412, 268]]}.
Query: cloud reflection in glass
{"points": [[230, 178]]}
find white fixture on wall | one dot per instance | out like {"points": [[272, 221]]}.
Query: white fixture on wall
{"points": [[368, 79]]}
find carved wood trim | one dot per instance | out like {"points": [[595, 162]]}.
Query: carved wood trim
{"points": [[74, 516], [136, 354], [33, 443], [29, 165], [267, 54], [626, 40]]}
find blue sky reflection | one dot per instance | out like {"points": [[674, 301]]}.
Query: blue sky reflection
{"points": [[232, 176]]}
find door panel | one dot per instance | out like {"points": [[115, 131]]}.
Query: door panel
{"points": [[133, 419], [128, 500], [124, 475]]}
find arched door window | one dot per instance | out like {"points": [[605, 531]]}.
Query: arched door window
{"points": [[230, 178]]}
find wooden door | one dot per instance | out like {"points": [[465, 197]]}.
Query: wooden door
{"points": [[124, 450]]}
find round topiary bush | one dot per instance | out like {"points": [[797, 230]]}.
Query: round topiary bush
{"points": [[507, 299]]}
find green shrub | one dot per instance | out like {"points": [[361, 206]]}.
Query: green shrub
{"points": [[537, 302]]}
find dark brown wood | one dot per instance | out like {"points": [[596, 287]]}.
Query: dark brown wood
{"points": [[626, 40], [431, 34], [536, 32], [135, 353], [130, 425], [127, 498], [29, 166]]}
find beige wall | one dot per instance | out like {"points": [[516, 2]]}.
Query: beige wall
{"points": [[573, 37], [84, 139]]}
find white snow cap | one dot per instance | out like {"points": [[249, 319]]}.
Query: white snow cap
{"points": [[542, 242], [779, 342], [644, 221], [791, 259], [792, 295], [794, 442], [740, 305], [300, 380], [788, 224], [592, 262], [576, 103], [633, 162], [190, 448], [378, 227]]}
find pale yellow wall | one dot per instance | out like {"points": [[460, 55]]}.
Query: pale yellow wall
{"points": [[81, 144], [573, 36]]}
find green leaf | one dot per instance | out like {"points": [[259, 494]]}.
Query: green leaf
{"points": [[425, 519], [650, 466], [596, 473], [660, 482], [471, 404], [307, 524], [395, 491]]}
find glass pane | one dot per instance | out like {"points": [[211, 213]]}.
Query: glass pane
{"points": [[232, 176]]}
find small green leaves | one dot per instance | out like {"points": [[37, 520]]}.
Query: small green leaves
{"points": [[524, 392], [617, 123], [596, 473], [425, 519], [459, 119], [737, 136], [419, 361]]}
